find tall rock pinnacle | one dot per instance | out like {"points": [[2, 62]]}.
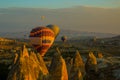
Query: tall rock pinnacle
{"points": [[91, 63], [28, 67], [58, 69], [78, 65]]}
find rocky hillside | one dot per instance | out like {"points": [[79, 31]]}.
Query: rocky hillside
{"points": [[31, 66], [28, 67]]}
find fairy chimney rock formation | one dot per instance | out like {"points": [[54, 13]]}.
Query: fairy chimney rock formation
{"points": [[78, 65], [28, 67], [91, 63], [69, 62], [25, 52], [58, 69], [77, 76], [100, 55], [15, 58], [42, 64]]}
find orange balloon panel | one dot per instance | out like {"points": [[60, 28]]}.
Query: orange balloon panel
{"points": [[42, 38]]}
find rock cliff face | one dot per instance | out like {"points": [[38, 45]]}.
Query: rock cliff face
{"points": [[28, 67], [58, 69]]}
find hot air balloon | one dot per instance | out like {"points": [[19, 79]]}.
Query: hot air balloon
{"points": [[54, 28], [63, 38], [42, 38], [42, 17]]}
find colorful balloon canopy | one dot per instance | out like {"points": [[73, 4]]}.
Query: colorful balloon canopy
{"points": [[64, 38], [42, 38], [54, 28]]}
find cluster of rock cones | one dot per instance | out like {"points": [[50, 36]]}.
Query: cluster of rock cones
{"points": [[31, 66]]}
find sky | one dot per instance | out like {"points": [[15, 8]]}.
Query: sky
{"points": [[84, 15], [59, 3]]}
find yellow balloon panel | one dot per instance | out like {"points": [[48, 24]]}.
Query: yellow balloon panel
{"points": [[54, 28]]}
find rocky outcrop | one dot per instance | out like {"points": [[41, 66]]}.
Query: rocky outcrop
{"points": [[91, 67], [100, 55], [58, 69], [69, 63], [91, 63], [77, 75], [78, 66], [28, 67]]}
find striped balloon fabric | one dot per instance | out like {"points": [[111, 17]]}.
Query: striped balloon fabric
{"points": [[42, 38]]}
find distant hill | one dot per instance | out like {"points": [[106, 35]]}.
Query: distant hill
{"points": [[69, 33], [4, 39], [117, 37], [14, 34]]}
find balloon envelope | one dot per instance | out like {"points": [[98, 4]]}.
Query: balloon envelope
{"points": [[42, 38], [54, 28], [42, 17], [63, 38]]}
